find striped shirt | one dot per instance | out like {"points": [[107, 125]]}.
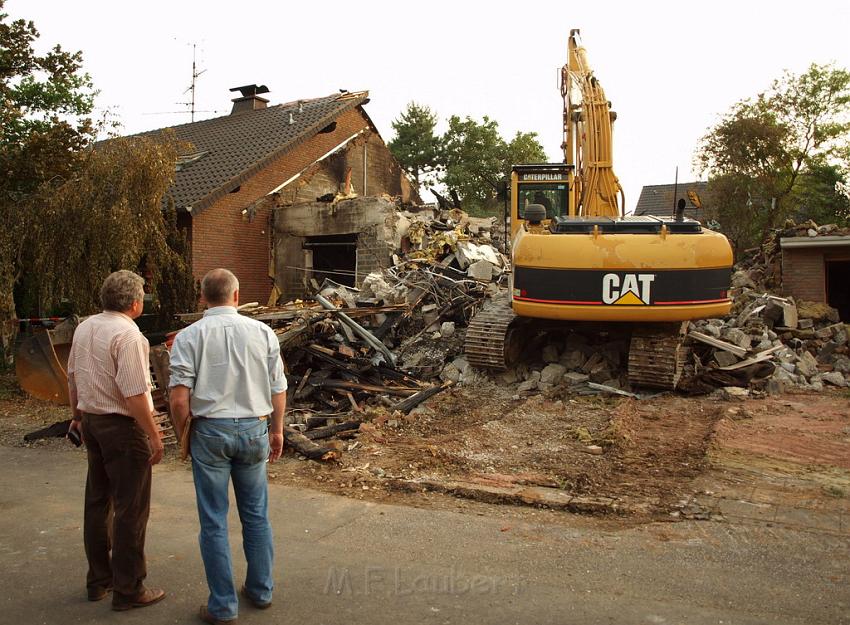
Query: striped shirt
{"points": [[230, 362], [108, 363]]}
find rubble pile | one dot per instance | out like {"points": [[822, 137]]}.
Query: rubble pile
{"points": [[375, 353], [370, 354], [761, 268], [770, 344], [558, 362]]}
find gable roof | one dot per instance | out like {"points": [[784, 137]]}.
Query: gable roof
{"points": [[658, 199], [228, 150]]}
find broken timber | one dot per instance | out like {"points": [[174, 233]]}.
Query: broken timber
{"points": [[306, 447], [740, 352], [411, 402], [359, 330]]}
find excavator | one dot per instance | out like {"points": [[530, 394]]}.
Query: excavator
{"points": [[577, 257]]}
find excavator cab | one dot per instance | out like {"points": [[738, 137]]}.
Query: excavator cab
{"points": [[544, 184]]}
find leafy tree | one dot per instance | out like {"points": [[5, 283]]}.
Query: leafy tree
{"points": [[524, 148], [476, 158], [44, 105], [110, 216], [819, 195], [415, 145], [178, 291], [72, 212], [766, 151]]}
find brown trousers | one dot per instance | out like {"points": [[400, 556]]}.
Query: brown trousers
{"points": [[118, 496]]}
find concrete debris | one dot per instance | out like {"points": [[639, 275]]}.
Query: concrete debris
{"points": [[481, 270], [552, 374], [834, 377], [770, 344]]}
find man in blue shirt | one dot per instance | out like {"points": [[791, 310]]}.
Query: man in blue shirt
{"points": [[226, 372]]}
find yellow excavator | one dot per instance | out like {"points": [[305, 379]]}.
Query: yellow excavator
{"points": [[576, 256]]}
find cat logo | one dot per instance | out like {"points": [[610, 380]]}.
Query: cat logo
{"points": [[632, 289]]}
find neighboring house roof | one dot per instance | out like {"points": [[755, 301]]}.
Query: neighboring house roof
{"points": [[228, 150], [658, 199]]}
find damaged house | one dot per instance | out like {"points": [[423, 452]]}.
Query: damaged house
{"points": [[245, 164]]}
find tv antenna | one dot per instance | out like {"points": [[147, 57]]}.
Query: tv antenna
{"points": [[195, 74]]}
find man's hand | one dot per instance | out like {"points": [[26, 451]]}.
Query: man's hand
{"points": [[77, 426], [157, 449], [276, 444]]}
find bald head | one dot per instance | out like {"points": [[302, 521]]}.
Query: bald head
{"points": [[219, 288]]}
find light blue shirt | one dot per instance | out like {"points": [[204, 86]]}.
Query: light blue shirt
{"points": [[230, 362]]}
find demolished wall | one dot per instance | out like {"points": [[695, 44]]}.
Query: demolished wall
{"points": [[373, 221]]}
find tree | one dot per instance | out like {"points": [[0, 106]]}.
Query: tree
{"points": [[415, 145], [44, 105], [110, 216], [820, 197], [766, 151], [476, 158], [72, 211]]}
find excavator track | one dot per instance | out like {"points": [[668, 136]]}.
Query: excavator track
{"points": [[488, 342], [657, 355]]}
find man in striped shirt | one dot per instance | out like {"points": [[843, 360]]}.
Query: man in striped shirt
{"points": [[110, 391]]}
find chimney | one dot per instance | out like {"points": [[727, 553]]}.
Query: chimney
{"points": [[250, 99]]}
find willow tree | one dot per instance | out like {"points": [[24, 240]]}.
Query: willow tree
{"points": [[107, 216]]}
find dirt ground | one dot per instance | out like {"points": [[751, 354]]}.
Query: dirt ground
{"points": [[654, 453]]}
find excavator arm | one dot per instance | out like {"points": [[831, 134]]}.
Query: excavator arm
{"points": [[588, 142]]}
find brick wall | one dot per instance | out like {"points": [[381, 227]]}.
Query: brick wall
{"points": [[803, 275], [222, 238], [385, 174]]}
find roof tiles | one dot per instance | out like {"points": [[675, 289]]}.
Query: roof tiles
{"points": [[235, 146]]}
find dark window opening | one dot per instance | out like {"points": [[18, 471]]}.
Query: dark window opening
{"points": [[553, 197], [236, 189], [837, 292], [334, 257]]}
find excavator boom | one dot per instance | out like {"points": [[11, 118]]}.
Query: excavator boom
{"points": [[588, 137]]}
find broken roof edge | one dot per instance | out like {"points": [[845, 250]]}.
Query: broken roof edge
{"points": [[325, 156], [204, 202]]}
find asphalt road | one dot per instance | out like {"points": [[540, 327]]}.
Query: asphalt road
{"points": [[345, 561]]}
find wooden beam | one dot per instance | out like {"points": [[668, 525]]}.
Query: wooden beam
{"points": [[411, 402], [326, 431], [740, 352]]}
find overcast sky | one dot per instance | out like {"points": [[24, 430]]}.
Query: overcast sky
{"points": [[669, 68]]}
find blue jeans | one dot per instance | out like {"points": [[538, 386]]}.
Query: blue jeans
{"points": [[237, 449]]}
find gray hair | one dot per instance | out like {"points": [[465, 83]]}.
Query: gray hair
{"points": [[121, 289], [218, 286]]}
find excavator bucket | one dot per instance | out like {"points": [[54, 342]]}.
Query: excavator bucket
{"points": [[41, 362]]}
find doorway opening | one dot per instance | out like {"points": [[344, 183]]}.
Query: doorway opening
{"points": [[334, 256], [837, 290]]}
